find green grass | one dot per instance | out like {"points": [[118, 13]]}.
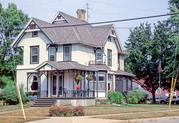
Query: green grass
{"points": [[12, 107]]}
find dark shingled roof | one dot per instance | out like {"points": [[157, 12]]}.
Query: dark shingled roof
{"points": [[123, 73], [95, 36], [99, 66], [72, 65], [66, 65]]}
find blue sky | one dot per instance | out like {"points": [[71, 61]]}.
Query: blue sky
{"points": [[99, 10]]}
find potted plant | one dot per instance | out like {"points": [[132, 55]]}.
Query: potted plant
{"points": [[78, 78], [90, 77]]}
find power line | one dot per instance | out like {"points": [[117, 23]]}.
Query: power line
{"points": [[109, 22], [113, 21]]}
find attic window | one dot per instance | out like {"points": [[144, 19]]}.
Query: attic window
{"points": [[32, 25], [109, 38], [35, 34]]}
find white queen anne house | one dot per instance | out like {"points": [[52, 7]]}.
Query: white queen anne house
{"points": [[69, 59]]}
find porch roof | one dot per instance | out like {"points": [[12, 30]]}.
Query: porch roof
{"points": [[124, 73], [63, 65], [99, 66]]}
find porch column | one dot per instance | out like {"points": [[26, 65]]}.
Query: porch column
{"points": [[93, 85], [106, 84], [114, 82], [97, 82], [48, 78], [84, 86]]}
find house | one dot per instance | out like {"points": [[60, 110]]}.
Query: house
{"points": [[70, 59]]}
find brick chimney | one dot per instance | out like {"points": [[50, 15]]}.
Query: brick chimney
{"points": [[81, 13]]}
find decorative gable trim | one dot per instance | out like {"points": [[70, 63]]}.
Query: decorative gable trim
{"points": [[57, 18], [27, 28]]}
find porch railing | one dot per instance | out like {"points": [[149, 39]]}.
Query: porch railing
{"points": [[78, 94], [70, 94]]}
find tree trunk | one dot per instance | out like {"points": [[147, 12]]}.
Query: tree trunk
{"points": [[153, 97]]}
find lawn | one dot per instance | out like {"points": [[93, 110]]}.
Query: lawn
{"points": [[124, 111]]}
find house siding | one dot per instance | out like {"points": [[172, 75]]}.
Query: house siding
{"points": [[82, 54], [28, 41], [112, 46]]}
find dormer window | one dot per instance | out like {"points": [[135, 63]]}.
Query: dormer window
{"points": [[35, 34], [99, 56]]}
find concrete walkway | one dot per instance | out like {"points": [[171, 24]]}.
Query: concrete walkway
{"points": [[94, 120], [74, 120]]}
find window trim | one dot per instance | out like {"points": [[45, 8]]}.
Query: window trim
{"points": [[109, 63], [99, 61], [55, 55], [102, 74], [70, 52], [37, 54]]}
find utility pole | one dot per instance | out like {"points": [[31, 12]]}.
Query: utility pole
{"points": [[87, 12]]}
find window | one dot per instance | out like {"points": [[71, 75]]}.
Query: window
{"points": [[34, 86], [67, 53], [109, 55], [99, 56], [35, 34], [34, 55], [101, 81], [52, 54]]}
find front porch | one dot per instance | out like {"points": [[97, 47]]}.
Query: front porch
{"points": [[55, 82]]}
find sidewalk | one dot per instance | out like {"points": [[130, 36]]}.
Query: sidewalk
{"points": [[94, 120], [74, 120]]}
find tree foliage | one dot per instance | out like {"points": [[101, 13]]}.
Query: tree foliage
{"points": [[11, 20], [146, 49]]}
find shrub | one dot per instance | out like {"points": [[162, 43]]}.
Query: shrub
{"points": [[115, 97], [135, 97], [9, 95], [78, 111], [5, 80], [60, 111], [24, 97], [102, 101]]}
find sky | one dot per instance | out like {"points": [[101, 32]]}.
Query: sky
{"points": [[99, 10]]}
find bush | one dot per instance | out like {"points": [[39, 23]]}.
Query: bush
{"points": [[102, 101], [61, 111], [135, 97], [24, 97], [115, 97], [9, 95]]}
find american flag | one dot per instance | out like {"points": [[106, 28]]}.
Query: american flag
{"points": [[159, 69]]}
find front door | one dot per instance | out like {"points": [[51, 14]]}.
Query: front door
{"points": [[54, 86], [60, 85]]}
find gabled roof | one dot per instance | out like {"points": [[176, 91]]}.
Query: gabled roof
{"points": [[65, 33]]}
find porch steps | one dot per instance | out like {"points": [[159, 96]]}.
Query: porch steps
{"points": [[44, 102]]}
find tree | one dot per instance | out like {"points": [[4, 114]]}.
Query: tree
{"points": [[146, 49], [173, 62], [11, 21]]}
